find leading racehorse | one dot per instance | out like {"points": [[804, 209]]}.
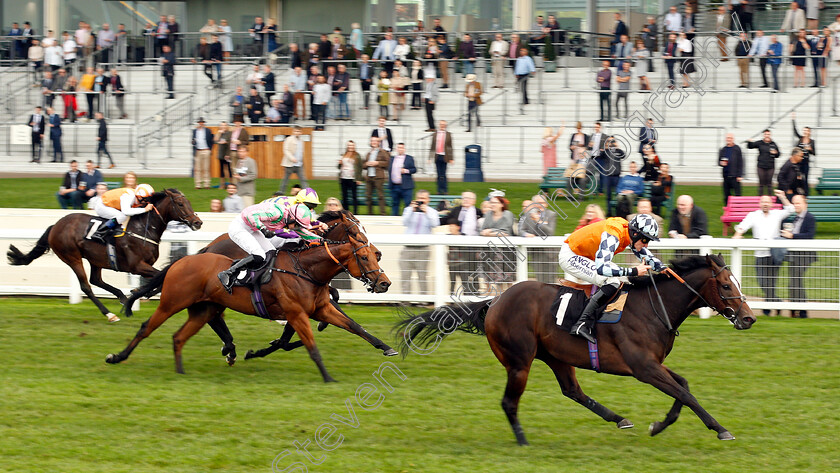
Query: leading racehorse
{"points": [[296, 292], [136, 251], [520, 327]]}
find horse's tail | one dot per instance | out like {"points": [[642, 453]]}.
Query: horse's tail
{"points": [[17, 258], [149, 289], [422, 333]]}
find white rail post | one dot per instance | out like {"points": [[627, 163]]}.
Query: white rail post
{"points": [[522, 264], [441, 287], [75, 290]]}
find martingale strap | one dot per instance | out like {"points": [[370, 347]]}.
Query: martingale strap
{"points": [[593, 356]]}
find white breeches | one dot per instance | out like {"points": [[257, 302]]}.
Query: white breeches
{"points": [[109, 212], [252, 241], [583, 269]]}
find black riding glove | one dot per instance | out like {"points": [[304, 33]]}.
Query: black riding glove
{"points": [[267, 233]]}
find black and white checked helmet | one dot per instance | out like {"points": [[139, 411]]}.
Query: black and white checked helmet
{"points": [[643, 226]]}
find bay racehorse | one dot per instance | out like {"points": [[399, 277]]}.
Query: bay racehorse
{"points": [[519, 326], [337, 223], [296, 292], [136, 251]]}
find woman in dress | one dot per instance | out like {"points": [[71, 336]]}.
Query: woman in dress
{"points": [[398, 86], [577, 145], [650, 168], [820, 47], [225, 39], [350, 175], [69, 96], [383, 86], [548, 147], [808, 147], [642, 57], [799, 50], [686, 50], [357, 39], [835, 39]]}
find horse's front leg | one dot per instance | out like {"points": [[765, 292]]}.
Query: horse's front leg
{"points": [[299, 321], [218, 324], [674, 413], [332, 314], [280, 343], [661, 378], [96, 280]]}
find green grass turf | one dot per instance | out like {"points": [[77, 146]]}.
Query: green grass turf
{"points": [[40, 193], [63, 409]]}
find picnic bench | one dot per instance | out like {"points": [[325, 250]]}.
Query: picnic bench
{"points": [[825, 208], [554, 180], [829, 181], [737, 207]]}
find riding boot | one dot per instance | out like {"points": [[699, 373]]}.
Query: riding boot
{"points": [[227, 276], [256, 268], [583, 327], [104, 230]]}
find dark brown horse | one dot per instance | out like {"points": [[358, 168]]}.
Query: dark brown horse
{"points": [[223, 245], [520, 327], [136, 251], [294, 295]]}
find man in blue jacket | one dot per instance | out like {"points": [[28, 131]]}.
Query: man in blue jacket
{"points": [[630, 187], [400, 170]]}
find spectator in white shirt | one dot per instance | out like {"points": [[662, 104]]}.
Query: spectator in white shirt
{"points": [[418, 219], [673, 20], [765, 224]]}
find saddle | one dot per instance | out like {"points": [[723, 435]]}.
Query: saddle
{"points": [[572, 298], [253, 279], [94, 233]]}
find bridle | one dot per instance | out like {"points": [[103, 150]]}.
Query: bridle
{"points": [[369, 283], [728, 312]]}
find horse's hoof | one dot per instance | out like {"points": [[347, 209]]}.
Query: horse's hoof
{"points": [[322, 326], [230, 360], [112, 317], [330, 379], [624, 424], [112, 359], [250, 355], [725, 435], [390, 352], [655, 428]]}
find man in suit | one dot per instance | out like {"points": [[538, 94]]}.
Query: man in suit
{"points": [[598, 163], [365, 79], [202, 143], [256, 31], [619, 29], [341, 86], [513, 50], [670, 54], [102, 140], [430, 98], [731, 162], [268, 83], [804, 228], [38, 124], [400, 171], [376, 164], [295, 57], [293, 147], [649, 34], [118, 90], [463, 260], [647, 136], [441, 153], [386, 139], [167, 60], [47, 88], [324, 52], [385, 52], [55, 135], [17, 51]]}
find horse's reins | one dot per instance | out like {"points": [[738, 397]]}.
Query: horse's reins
{"points": [[728, 313], [664, 317]]}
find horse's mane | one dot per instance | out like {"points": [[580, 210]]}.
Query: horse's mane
{"points": [[158, 196], [331, 215], [680, 266]]}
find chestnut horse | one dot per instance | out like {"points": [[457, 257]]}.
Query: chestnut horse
{"points": [[136, 251], [223, 245], [298, 291], [520, 327]]}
